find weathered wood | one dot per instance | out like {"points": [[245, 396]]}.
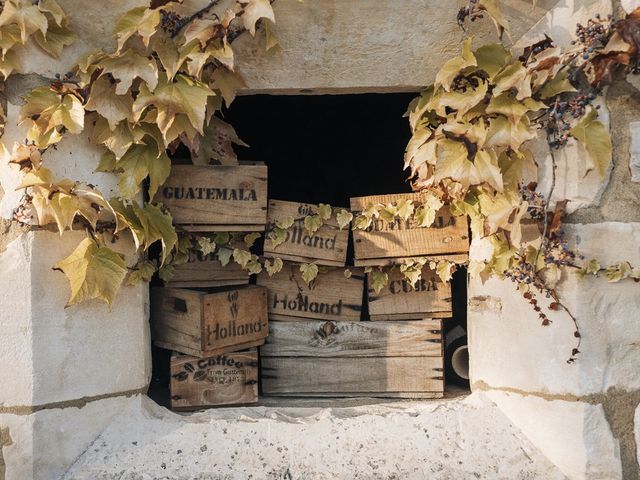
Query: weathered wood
{"points": [[217, 197], [344, 376], [399, 299], [398, 239], [207, 271], [389, 262], [353, 339], [328, 246], [206, 324], [230, 379], [331, 296]]}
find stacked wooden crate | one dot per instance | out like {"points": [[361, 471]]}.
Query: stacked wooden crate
{"points": [[318, 345], [208, 315]]}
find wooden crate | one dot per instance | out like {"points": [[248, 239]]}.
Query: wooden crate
{"points": [[347, 359], [207, 324], [331, 296], [207, 271], [214, 198], [230, 379], [384, 244], [328, 246], [431, 297]]}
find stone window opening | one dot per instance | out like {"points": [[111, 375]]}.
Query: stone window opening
{"points": [[326, 149]]}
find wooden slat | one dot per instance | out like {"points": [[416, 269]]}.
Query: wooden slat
{"points": [[330, 297], [328, 246], [353, 339], [340, 376], [176, 318], [216, 195], [389, 262], [230, 379], [234, 317], [410, 316], [404, 239], [398, 297], [207, 272]]}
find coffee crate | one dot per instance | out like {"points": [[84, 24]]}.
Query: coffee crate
{"points": [[331, 296], [386, 243], [228, 379], [207, 271], [399, 300], [348, 359], [208, 198], [205, 324], [327, 246]]}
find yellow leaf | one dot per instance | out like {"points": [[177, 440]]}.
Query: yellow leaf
{"points": [[273, 268], [486, 164], [344, 217], [309, 272], [405, 209], [445, 270], [513, 76], [557, 85], [285, 222], [142, 273], [241, 257], [270, 37], [595, 138], [312, 224], [492, 58], [27, 17], [228, 83], [491, 7], [104, 100], [324, 211], [379, 280], [250, 238], [93, 272], [452, 68], [157, 226], [139, 162], [54, 41], [140, 20], [126, 67], [254, 11], [206, 245]]}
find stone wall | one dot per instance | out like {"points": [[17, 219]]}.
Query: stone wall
{"points": [[68, 373]]}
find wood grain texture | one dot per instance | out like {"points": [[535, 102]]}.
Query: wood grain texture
{"points": [[330, 296], [230, 379], [353, 339], [220, 195], [389, 262], [343, 376], [328, 246], [399, 299], [449, 234], [207, 272], [205, 324]]}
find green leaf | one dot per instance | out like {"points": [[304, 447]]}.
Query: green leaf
{"points": [[557, 85], [285, 223], [344, 217], [253, 266], [241, 257], [454, 66], [379, 280], [492, 58], [142, 273], [618, 272], [93, 272], [595, 138], [250, 238], [324, 211], [309, 272], [277, 236], [592, 267], [312, 224], [224, 256], [273, 267], [157, 226], [139, 162], [165, 272]]}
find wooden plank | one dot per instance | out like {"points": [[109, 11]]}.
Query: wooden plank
{"points": [[340, 376], [330, 296], [353, 339], [405, 395], [223, 228], [328, 246], [207, 271], [216, 195], [449, 234], [201, 324], [399, 297], [230, 379], [411, 316], [389, 262], [234, 317], [176, 318]]}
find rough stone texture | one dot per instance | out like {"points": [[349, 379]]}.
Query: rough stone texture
{"points": [[437, 440], [630, 5], [586, 448], [80, 351], [335, 45], [634, 151], [42, 446], [636, 423]]}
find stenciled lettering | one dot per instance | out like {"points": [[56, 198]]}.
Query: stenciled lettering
{"points": [[403, 286], [210, 193], [301, 303]]}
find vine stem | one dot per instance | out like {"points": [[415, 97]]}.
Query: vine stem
{"points": [[194, 16], [546, 203]]}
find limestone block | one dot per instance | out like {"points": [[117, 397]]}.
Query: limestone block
{"points": [[574, 435], [561, 20], [634, 154], [636, 425], [435, 440], [52, 353], [573, 182], [366, 46], [92, 22], [510, 349], [43, 445], [630, 5]]}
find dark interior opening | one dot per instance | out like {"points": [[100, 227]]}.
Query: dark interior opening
{"points": [[326, 149]]}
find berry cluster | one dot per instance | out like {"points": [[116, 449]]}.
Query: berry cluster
{"points": [[594, 35], [560, 117], [557, 251], [535, 200], [170, 22]]}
